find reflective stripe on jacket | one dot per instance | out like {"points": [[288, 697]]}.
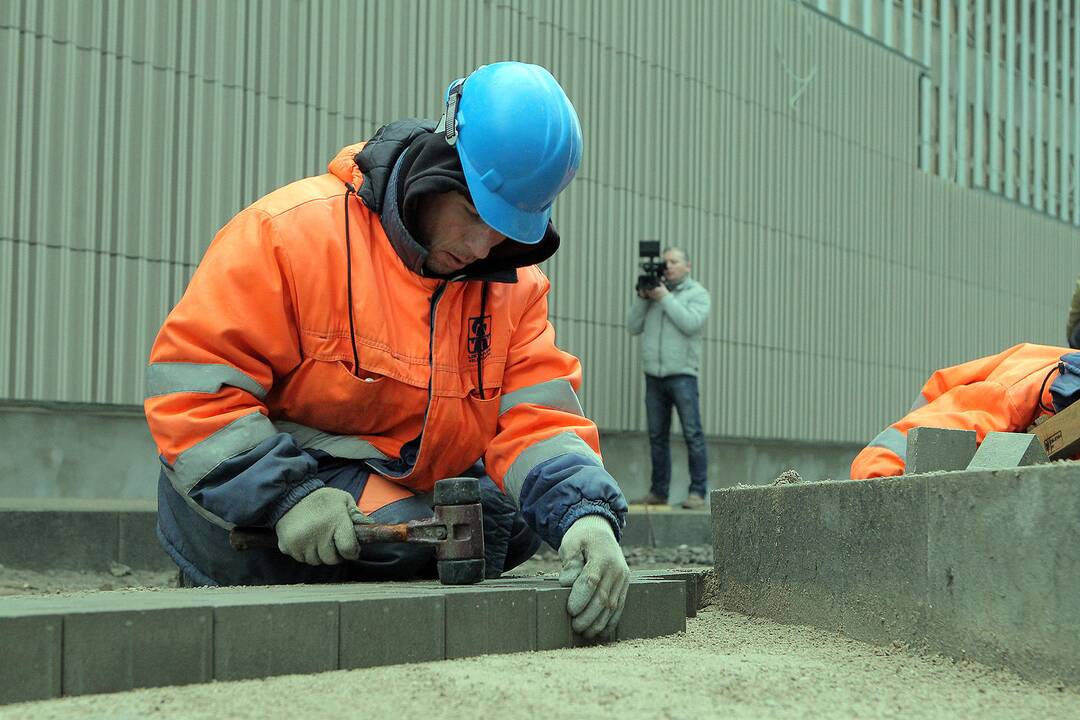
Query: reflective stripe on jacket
{"points": [[254, 369], [999, 393]]}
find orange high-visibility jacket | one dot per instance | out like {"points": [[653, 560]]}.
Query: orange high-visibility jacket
{"points": [[1000, 393], [253, 371]]}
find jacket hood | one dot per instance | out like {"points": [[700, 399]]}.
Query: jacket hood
{"points": [[402, 162]]}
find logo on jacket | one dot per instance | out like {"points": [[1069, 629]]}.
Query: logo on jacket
{"points": [[479, 336]]}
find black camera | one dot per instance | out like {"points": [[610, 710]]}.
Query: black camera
{"points": [[652, 266]]}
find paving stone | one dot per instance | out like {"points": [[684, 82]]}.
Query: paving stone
{"points": [[1001, 450], [694, 579], [653, 608], [113, 651], [932, 449], [392, 630], [1004, 568], [255, 641], [46, 539], [115, 641], [482, 622], [30, 669]]}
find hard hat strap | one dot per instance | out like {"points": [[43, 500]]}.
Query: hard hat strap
{"points": [[448, 124]]}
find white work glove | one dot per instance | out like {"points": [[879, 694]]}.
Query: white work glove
{"points": [[593, 564], [318, 530]]}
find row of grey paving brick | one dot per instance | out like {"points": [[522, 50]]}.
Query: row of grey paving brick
{"points": [[40, 534], [975, 564], [115, 641]]}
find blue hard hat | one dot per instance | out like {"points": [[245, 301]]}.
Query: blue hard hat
{"points": [[519, 141]]}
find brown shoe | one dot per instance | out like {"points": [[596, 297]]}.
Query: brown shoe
{"points": [[650, 499], [693, 502]]}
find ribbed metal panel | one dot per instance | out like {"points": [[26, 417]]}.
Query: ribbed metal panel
{"points": [[778, 146]]}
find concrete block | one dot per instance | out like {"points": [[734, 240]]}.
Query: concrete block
{"points": [[137, 545], [114, 651], [488, 621], [932, 449], [392, 630], [667, 528], [833, 554], [975, 564], [48, 539], [653, 608], [1001, 450], [31, 650], [268, 639], [768, 561], [1004, 568]]}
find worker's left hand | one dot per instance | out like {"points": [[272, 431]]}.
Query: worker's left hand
{"points": [[594, 566]]}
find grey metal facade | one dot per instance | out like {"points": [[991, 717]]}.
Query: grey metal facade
{"points": [[776, 144]]}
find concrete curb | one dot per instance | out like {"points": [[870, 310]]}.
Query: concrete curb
{"points": [[974, 564], [47, 534], [120, 640], [667, 528]]}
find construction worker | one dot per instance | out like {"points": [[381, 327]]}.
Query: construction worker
{"points": [[351, 338], [1007, 392]]}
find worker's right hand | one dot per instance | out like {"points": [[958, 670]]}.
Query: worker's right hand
{"points": [[318, 530]]}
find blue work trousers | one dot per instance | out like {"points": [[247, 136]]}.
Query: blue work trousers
{"points": [[202, 550]]}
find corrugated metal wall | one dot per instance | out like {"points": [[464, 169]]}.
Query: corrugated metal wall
{"points": [[778, 146]]}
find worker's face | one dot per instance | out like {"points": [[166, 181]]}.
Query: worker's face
{"points": [[677, 267], [454, 234]]}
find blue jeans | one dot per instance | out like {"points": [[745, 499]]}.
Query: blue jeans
{"points": [[682, 392]]}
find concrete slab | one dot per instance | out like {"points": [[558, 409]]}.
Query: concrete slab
{"points": [[1001, 450], [32, 658], [975, 564], [932, 449]]}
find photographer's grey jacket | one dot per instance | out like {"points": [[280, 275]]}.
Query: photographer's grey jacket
{"points": [[672, 329]]}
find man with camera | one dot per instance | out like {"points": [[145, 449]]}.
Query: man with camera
{"points": [[670, 312]]}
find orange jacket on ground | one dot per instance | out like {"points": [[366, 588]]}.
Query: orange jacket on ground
{"points": [[1000, 393], [252, 376]]}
